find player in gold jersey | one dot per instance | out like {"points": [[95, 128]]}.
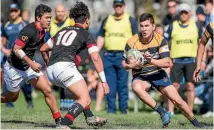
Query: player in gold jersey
{"points": [[156, 54]]}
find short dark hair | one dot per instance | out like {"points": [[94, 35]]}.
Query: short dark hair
{"points": [[172, 1], [147, 16], [79, 12], [41, 9]]}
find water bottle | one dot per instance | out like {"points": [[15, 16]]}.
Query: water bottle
{"points": [[62, 104]]}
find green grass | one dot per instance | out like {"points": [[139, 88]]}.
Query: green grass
{"points": [[40, 117]]}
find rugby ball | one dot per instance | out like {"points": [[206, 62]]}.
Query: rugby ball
{"points": [[135, 54]]}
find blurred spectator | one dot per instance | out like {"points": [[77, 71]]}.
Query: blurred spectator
{"points": [[115, 30], [26, 16], [60, 20], [159, 29], [171, 16], [9, 32], [209, 11], [184, 35], [95, 83], [201, 17]]}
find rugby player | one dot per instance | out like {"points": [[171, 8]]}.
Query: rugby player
{"points": [[61, 70], [156, 54], [206, 36], [20, 66]]}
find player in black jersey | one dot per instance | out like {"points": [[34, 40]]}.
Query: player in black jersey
{"points": [[20, 66], [62, 71]]}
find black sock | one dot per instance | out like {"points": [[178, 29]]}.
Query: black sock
{"points": [[73, 112], [159, 109], [194, 121], [87, 112]]}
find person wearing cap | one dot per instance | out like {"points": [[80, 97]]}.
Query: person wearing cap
{"points": [[9, 33], [184, 35], [114, 32]]}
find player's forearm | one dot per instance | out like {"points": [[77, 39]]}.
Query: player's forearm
{"points": [[97, 61], [201, 50], [100, 42], [21, 55], [45, 57], [163, 63]]}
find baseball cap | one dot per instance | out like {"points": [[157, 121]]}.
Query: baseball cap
{"points": [[184, 7], [119, 2], [14, 6], [200, 10]]}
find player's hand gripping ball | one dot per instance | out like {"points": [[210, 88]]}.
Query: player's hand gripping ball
{"points": [[136, 55]]}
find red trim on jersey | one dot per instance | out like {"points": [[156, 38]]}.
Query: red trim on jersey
{"points": [[52, 39], [19, 42], [79, 25], [41, 34], [37, 26], [70, 117], [56, 115], [91, 44], [87, 108]]}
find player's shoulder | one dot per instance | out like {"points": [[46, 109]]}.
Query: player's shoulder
{"points": [[210, 26], [29, 29], [159, 39], [133, 39]]}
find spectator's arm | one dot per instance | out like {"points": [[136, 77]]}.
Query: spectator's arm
{"points": [[134, 25]]}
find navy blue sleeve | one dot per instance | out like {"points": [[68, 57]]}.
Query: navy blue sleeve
{"points": [[47, 36], [167, 34], [102, 30], [3, 34], [134, 25], [200, 31]]}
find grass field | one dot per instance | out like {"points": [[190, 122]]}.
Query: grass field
{"points": [[40, 118]]}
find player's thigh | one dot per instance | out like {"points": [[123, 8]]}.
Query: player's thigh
{"points": [[171, 93], [176, 73], [13, 78], [188, 71], [41, 83], [138, 85], [79, 89]]}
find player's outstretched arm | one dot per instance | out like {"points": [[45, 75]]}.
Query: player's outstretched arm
{"points": [[93, 51]]}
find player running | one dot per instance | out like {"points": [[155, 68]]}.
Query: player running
{"points": [[156, 54], [206, 36], [20, 66], [61, 69]]}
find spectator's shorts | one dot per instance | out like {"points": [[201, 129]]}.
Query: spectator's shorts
{"points": [[159, 79], [63, 74], [180, 69], [15, 78]]}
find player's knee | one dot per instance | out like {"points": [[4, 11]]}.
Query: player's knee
{"points": [[47, 92], [178, 102], [84, 101], [190, 88]]}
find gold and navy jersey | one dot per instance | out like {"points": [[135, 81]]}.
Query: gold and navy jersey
{"points": [[208, 33], [158, 47]]}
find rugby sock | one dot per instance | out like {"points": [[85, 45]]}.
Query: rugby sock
{"points": [[194, 121], [87, 112], [159, 109], [73, 112], [56, 115]]}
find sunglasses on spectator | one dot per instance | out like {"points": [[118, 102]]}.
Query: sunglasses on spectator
{"points": [[13, 10], [184, 12], [115, 6]]}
